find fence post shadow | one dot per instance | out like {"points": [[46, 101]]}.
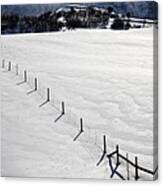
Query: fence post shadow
{"points": [[47, 100], [31, 91], [104, 151], [24, 80], [62, 112], [35, 87], [114, 170], [80, 131]]}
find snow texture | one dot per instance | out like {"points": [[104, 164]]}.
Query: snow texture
{"points": [[103, 76]]}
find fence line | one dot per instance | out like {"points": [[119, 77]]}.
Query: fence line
{"points": [[133, 164], [91, 140], [65, 113]]}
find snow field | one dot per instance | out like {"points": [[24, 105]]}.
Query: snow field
{"points": [[102, 77]]}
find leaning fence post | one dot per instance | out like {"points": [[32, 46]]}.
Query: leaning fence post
{"points": [[48, 94], [104, 151], [17, 71], [127, 167], [104, 141], [25, 76], [117, 150], [136, 168], [3, 63], [81, 125], [63, 108], [35, 84], [9, 66], [80, 130]]}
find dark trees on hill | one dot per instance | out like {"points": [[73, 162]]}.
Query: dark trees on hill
{"points": [[118, 24], [10, 21], [90, 17], [110, 10], [73, 23], [128, 15]]}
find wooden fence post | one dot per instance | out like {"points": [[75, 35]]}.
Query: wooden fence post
{"points": [[136, 168], [25, 76], [48, 94], [35, 84], [3, 63], [17, 69], [117, 149], [127, 167], [104, 141], [104, 151], [9, 66], [63, 108], [81, 125], [80, 129]]}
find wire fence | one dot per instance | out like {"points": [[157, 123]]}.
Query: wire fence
{"points": [[93, 141], [135, 165], [87, 137]]}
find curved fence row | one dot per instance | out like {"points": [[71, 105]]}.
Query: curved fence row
{"points": [[93, 141]]}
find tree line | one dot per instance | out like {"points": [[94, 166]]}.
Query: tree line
{"points": [[91, 17]]}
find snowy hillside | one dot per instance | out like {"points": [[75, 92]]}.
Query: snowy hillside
{"points": [[104, 76]]}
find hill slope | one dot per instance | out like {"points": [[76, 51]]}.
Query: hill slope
{"points": [[106, 77]]}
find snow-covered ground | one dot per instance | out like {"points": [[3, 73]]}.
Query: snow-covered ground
{"points": [[104, 76]]}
